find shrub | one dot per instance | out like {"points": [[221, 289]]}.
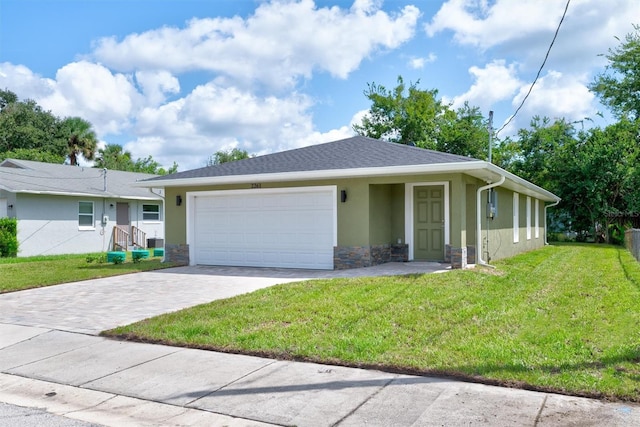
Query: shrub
{"points": [[8, 237]]}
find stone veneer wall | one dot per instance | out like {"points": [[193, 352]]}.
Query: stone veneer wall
{"points": [[459, 257], [471, 254], [345, 257], [176, 253]]}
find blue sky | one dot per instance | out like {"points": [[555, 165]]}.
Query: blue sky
{"points": [[181, 79]]}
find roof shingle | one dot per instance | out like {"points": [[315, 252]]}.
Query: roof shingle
{"points": [[351, 153], [36, 177]]}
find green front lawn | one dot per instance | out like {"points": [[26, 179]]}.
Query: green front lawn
{"points": [[565, 318], [23, 273]]}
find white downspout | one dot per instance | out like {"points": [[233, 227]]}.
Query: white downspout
{"points": [[545, 219], [479, 211]]}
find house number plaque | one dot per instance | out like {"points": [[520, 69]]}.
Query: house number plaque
{"points": [[258, 185]]}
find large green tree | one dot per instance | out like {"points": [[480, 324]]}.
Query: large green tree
{"points": [[597, 177], [81, 139], [24, 125], [404, 114], [536, 157], [413, 116], [618, 87]]}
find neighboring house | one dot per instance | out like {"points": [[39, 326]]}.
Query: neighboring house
{"points": [[350, 203], [65, 209]]}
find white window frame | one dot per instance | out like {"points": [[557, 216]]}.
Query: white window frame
{"points": [[516, 217], [157, 213], [537, 218], [528, 218], [81, 214]]}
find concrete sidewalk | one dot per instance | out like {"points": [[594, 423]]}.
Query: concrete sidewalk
{"points": [[109, 382]]}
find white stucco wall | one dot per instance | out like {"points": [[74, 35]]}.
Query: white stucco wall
{"points": [[48, 225]]}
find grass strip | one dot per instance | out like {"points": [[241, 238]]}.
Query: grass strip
{"points": [[33, 272], [564, 319]]}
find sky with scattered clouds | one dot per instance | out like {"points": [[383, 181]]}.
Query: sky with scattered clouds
{"points": [[182, 79]]}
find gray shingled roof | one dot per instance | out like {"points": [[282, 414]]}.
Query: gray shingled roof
{"points": [[351, 153], [24, 176]]}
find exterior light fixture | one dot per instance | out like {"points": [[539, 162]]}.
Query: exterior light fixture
{"points": [[343, 196], [178, 200]]}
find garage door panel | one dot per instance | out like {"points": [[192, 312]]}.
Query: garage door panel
{"points": [[292, 228]]}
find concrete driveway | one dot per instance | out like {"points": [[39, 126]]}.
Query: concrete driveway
{"points": [[92, 306]]}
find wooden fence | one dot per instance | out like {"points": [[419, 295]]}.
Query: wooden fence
{"points": [[632, 242]]}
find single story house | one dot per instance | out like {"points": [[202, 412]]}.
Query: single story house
{"points": [[64, 209], [350, 203]]}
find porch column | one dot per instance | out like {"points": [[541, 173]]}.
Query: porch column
{"points": [[458, 239]]}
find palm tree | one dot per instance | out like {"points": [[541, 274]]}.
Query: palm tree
{"points": [[81, 139]]}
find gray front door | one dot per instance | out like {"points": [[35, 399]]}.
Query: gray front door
{"points": [[122, 215], [428, 215]]}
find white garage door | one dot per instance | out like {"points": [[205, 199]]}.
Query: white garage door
{"points": [[292, 228]]}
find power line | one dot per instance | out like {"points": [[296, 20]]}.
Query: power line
{"points": [[539, 70]]}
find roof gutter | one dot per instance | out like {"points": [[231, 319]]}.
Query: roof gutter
{"points": [[545, 219], [479, 219]]}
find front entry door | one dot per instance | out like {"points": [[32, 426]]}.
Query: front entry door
{"points": [[122, 215], [428, 223]]}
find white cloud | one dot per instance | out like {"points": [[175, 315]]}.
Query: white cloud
{"points": [[213, 117], [23, 82], [94, 93], [418, 63], [156, 85], [556, 95], [280, 43], [81, 89], [493, 83], [526, 27]]}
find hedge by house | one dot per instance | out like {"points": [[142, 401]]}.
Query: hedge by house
{"points": [[8, 237]]}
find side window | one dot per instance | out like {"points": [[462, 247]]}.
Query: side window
{"points": [[85, 214], [151, 212]]}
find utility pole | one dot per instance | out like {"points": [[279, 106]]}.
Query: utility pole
{"points": [[490, 133]]}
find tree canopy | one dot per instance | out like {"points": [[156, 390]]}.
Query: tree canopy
{"points": [[412, 116], [24, 125], [225, 156], [113, 157], [618, 87], [81, 139]]}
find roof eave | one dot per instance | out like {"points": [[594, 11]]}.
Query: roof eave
{"points": [[479, 169], [96, 195], [312, 175]]}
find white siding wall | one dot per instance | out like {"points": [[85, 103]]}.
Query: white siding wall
{"points": [[48, 225]]}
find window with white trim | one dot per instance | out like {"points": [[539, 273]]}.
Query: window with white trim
{"points": [[537, 218], [528, 218], [516, 217], [85, 215], [151, 212]]}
